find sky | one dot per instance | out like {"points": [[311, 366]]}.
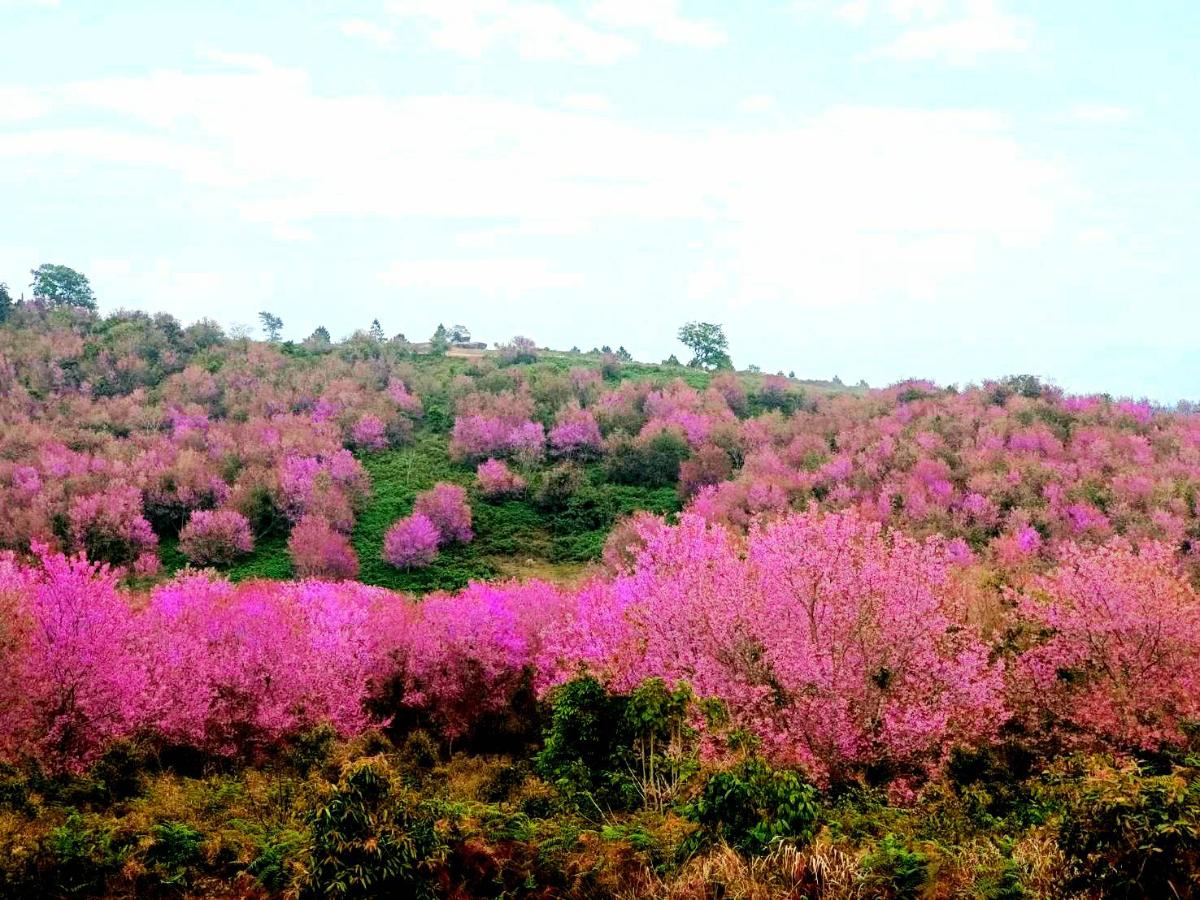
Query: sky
{"points": [[873, 189]]}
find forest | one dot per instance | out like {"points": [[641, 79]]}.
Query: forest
{"points": [[368, 617]]}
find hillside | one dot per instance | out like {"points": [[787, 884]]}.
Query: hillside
{"points": [[360, 618], [165, 371]]}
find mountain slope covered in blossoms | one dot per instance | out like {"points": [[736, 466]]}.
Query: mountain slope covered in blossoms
{"points": [[364, 618]]}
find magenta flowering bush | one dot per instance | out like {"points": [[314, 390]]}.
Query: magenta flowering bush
{"points": [[1113, 661], [475, 437], [215, 537], [445, 506], [408, 403], [330, 486], [369, 433], [71, 680], [830, 640], [586, 383], [575, 432], [318, 550], [468, 654], [496, 425], [845, 648], [234, 670], [109, 526], [496, 479], [412, 542]]}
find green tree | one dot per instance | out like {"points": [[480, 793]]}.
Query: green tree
{"points": [[272, 325], [624, 355], [709, 346], [62, 286], [376, 331], [319, 338], [440, 342], [6, 303], [459, 334]]}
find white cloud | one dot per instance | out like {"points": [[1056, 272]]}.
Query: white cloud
{"points": [[758, 103], [538, 30], [368, 31], [143, 284], [488, 238], [1101, 114], [1095, 235], [506, 277], [982, 29], [907, 10], [839, 207], [588, 102], [534, 30], [662, 19], [958, 32], [854, 12], [18, 103], [867, 202]]}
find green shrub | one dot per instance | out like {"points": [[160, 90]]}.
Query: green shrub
{"points": [[82, 858], [419, 749], [175, 850], [581, 755], [277, 859], [650, 463], [663, 744], [117, 774], [1004, 884], [556, 486], [371, 838], [1130, 832], [619, 751], [752, 805], [312, 749], [895, 870]]}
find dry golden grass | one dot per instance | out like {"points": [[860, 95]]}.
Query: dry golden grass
{"points": [[818, 871]]}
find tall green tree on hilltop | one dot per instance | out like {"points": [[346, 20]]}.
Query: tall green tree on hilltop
{"points": [[709, 346], [440, 342], [272, 325], [62, 286]]}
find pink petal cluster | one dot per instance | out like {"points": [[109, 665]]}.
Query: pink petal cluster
{"points": [[319, 550], [1117, 661], [412, 542], [496, 479], [445, 505], [71, 679], [369, 433], [109, 526], [215, 537], [575, 432]]}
